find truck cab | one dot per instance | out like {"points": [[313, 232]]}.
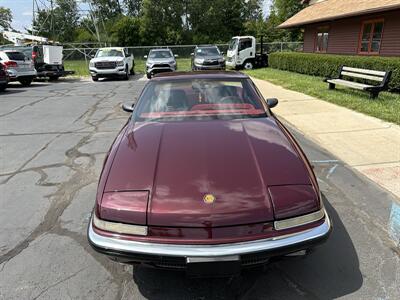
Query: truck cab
{"points": [[242, 54]]}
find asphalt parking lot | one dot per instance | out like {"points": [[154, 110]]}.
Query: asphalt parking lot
{"points": [[53, 139]]}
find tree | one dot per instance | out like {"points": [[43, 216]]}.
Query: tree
{"points": [[133, 7], [161, 22], [281, 10], [5, 18], [217, 21], [126, 31], [58, 23]]}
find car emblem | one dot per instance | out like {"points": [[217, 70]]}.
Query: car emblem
{"points": [[209, 198]]}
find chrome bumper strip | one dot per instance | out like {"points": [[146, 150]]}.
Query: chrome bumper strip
{"points": [[126, 246]]}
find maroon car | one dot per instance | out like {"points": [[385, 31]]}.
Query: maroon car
{"points": [[4, 78], [203, 173]]}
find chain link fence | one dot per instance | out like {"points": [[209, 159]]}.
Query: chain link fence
{"points": [[85, 51]]}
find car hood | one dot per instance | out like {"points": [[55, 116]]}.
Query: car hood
{"points": [[181, 162], [160, 60], [107, 58]]}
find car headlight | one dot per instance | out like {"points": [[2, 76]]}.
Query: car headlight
{"points": [[172, 63], [91, 64], [298, 221], [119, 227], [120, 63], [148, 65], [199, 61]]}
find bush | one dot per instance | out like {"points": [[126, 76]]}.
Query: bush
{"points": [[327, 65]]}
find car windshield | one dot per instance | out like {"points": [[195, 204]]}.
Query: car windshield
{"points": [[199, 99], [209, 51], [233, 44], [109, 53], [160, 54], [16, 56]]}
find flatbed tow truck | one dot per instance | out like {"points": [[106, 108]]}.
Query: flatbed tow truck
{"points": [[242, 54]]}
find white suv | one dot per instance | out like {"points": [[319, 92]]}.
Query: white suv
{"points": [[111, 62], [18, 66]]}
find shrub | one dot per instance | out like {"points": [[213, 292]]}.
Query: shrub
{"points": [[327, 65]]}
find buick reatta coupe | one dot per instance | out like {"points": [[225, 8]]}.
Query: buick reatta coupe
{"points": [[204, 175]]}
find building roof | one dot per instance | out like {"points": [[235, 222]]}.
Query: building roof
{"points": [[335, 9]]}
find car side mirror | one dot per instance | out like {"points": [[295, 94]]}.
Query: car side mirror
{"points": [[92, 55], [192, 54], [128, 107], [176, 55], [272, 102], [145, 56], [222, 53]]}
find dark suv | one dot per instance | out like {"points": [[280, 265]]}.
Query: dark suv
{"points": [[207, 57]]}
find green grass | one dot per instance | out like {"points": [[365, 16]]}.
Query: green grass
{"points": [[81, 68], [385, 107]]}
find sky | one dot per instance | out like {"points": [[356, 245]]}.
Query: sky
{"points": [[22, 11]]}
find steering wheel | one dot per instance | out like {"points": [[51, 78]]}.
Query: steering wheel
{"points": [[231, 100]]}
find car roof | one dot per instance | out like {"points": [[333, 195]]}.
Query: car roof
{"points": [[200, 75], [160, 49]]}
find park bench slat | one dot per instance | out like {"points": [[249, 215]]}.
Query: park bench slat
{"points": [[370, 77], [355, 85], [365, 71]]}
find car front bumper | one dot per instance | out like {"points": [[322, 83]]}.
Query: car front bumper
{"points": [[208, 67], [119, 71], [133, 251], [156, 70]]}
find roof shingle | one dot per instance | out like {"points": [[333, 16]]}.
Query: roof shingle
{"points": [[336, 9]]}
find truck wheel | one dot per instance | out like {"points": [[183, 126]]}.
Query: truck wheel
{"points": [[53, 78], [26, 81], [3, 87], [132, 71], [94, 78], [248, 65], [148, 75]]}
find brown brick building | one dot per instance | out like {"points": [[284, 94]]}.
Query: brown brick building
{"points": [[353, 27]]}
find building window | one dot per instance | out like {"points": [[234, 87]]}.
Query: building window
{"points": [[371, 36], [321, 44]]}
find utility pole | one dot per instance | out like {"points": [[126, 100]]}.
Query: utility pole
{"points": [[33, 17]]}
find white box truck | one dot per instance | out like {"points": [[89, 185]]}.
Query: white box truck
{"points": [[242, 53]]}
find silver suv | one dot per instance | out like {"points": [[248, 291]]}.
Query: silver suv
{"points": [[160, 60], [18, 66]]}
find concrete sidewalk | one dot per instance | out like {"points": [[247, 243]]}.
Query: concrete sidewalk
{"points": [[369, 145]]}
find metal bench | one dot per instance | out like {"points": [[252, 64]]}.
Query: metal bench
{"points": [[380, 76]]}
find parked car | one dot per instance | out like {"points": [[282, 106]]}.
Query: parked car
{"points": [[112, 62], [4, 78], [204, 175], [18, 66], [160, 60], [207, 57], [47, 59]]}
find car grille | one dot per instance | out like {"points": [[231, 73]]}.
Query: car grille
{"points": [[161, 66], [213, 62], [254, 258], [104, 65]]}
